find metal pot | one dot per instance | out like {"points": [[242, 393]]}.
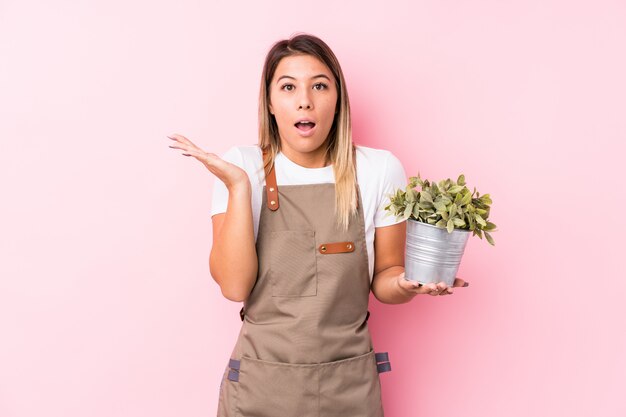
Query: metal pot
{"points": [[432, 254]]}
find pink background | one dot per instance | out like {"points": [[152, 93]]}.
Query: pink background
{"points": [[107, 307]]}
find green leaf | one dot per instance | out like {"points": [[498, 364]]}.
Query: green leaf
{"points": [[425, 205], [480, 220], [425, 196], [490, 239], [461, 180], [411, 195], [416, 209], [467, 198], [450, 226], [408, 210], [440, 206], [444, 215], [431, 221], [489, 227], [470, 219], [455, 189], [452, 210], [458, 222], [486, 199]]}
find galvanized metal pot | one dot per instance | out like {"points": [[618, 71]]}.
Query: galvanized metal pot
{"points": [[432, 254]]}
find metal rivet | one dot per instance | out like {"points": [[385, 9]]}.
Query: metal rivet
{"points": [[272, 202], [349, 246], [271, 189], [323, 248]]}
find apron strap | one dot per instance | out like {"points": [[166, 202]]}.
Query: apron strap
{"points": [[233, 372], [233, 375], [384, 365], [271, 188]]}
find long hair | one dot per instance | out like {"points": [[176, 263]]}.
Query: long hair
{"points": [[340, 150]]}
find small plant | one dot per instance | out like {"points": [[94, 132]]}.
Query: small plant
{"points": [[446, 204]]}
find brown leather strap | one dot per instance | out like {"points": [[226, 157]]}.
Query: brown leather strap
{"points": [[271, 189], [336, 247]]}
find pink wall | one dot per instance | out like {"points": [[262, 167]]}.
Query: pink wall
{"points": [[107, 307]]}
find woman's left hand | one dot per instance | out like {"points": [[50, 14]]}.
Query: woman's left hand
{"points": [[441, 288]]}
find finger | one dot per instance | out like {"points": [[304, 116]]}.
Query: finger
{"points": [[200, 155], [420, 288], [406, 283], [433, 289], [182, 139], [179, 146], [409, 284], [441, 288], [458, 282]]}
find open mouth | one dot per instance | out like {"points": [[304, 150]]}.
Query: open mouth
{"points": [[305, 126]]}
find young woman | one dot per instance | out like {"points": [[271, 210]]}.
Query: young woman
{"points": [[300, 237]]}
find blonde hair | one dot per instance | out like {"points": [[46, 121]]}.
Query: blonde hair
{"points": [[340, 150]]}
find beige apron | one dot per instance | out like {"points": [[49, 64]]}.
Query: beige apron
{"points": [[304, 348]]}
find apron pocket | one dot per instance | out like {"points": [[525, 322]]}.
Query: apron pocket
{"points": [[293, 263], [351, 387], [271, 389]]}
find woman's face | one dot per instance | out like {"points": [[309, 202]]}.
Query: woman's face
{"points": [[303, 87]]}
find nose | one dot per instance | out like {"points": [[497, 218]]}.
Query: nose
{"points": [[304, 100]]}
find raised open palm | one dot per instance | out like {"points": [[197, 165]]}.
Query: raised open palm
{"points": [[229, 174]]}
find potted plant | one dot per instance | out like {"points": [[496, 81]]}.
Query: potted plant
{"points": [[440, 217]]}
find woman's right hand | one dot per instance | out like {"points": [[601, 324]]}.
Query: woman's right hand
{"points": [[230, 174]]}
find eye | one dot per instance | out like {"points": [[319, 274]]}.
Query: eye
{"points": [[286, 85], [323, 85]]}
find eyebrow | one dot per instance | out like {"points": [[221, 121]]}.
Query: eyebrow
{"points": [[313, 77]]}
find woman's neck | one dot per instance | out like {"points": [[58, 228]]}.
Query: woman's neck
{"points": [[316, 159]]}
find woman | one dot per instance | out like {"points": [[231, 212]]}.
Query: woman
{"points": [[301, 242]]}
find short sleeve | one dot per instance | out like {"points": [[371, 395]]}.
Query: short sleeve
{"points": [[394, 177], [220, 192]]}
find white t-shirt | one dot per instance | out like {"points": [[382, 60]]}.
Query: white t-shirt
{"points": [[379, 173]]}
